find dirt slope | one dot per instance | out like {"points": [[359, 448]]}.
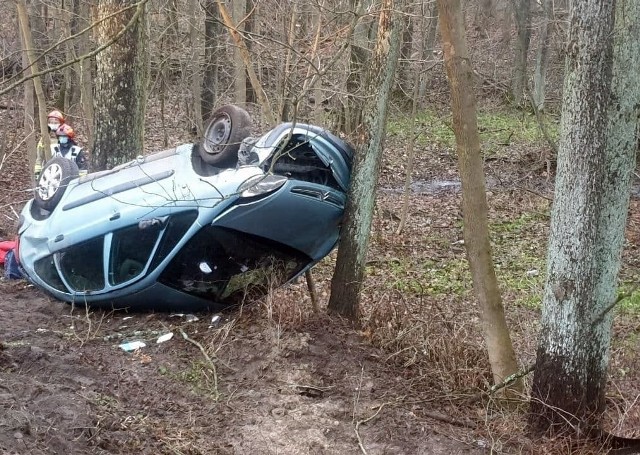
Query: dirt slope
{"points": [[66, 386]]}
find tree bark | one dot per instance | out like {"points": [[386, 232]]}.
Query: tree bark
{"points": [[286, 110], [474, 202], [595, 161], [522, 13], [542, 56], [349, 273], [121, 80], [240, 75], [428, 45], [246, 58], [29, 116], [27, 41], [195, 67], [211, 59]]}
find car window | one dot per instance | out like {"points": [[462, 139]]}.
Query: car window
{"points": [[82, 265], [227, 266], [131, 249], [46, 269], [177, 226]]}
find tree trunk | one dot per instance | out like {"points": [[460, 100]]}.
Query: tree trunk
{"points": [[286, 108], [542, 56], [211, 59], [121, 80], [72, 20], [29, 116], [522, 13], [195, 67], [359, 54], [595, 160], [251, 29], [27, 41], [86, 75], [309, 84], [411, 152], [240, 75], [428, 45], [347, 278], [474, 201], [404, 77], [246, 59]]}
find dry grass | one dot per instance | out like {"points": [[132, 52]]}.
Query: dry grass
{"points": [[436, 340]]}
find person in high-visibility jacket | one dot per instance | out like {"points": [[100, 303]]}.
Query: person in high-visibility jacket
{"points": [[69, 149], [55, 119]]}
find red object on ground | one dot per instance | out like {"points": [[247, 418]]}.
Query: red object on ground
{"points": [[5, 247]]}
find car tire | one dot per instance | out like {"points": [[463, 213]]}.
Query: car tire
{"points": [[223, 134], [53, 181]]}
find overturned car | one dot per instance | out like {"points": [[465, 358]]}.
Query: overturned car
{"points": [[203, 225]]}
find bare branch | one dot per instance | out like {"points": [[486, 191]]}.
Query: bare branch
{"points": [[139, 9]]}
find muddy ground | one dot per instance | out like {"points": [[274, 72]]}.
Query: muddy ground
{"points": [[66, 386], [276, 378]]}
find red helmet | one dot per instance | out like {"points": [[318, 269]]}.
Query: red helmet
{"points": [[66, 130], [57, 115]]}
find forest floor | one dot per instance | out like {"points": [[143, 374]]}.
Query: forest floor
{"points": [[274, 377]]}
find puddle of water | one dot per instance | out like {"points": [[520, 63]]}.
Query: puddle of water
{"points": [[431, 187], [434, 187], [438, 186]]}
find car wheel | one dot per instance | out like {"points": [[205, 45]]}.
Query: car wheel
{"points": [[55, 177], [223, 134]]}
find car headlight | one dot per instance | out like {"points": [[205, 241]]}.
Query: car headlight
{"points": [[261, 184]]}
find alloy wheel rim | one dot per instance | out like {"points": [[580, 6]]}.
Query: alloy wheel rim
{"points": [[50, 181]]}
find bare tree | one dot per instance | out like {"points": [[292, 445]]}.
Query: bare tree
{"points": [[246, 60], [358, 55], [347, 278], [474, 200], [522, 13], [240, 76], [212, 55], [85, 66], [542, 56], [195, 65], [430, 27], [43, 153], [121, 78], [596, 156]]}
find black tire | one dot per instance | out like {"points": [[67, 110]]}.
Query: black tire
{"points": [[53, 181], [223, 134]]}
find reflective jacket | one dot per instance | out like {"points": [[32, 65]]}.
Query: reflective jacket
{"points": [[72, 152]]}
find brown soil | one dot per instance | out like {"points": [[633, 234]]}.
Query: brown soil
{"points": [[66, 386]]}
